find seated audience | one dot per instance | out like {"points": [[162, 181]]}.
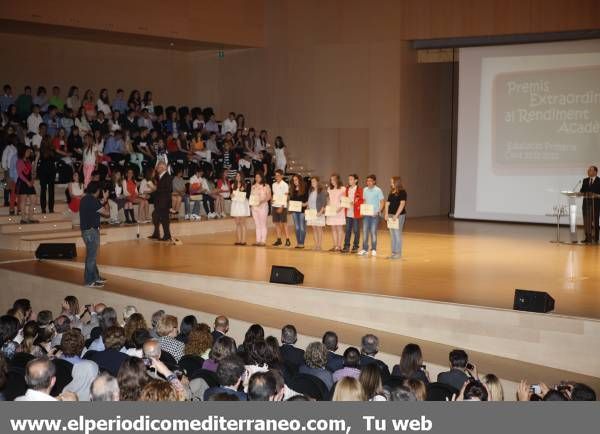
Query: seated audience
{"points": [[351, 365], [221, 327], [167, 331], [104, 388], [315, 361], [292, 355], [348, 389], [230, 373], [369, 349], [40, 376], [111, 358], [411, 364], [334, 360], [458, 373]]}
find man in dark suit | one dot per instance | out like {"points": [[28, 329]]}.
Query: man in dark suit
{"points": [[292, 355], [591, 206], [334, 361], [221, 327], [369, 349], [162, 203], [229, 374], [458, 373]]}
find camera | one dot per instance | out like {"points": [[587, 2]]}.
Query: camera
{"points": [[470, 366], [535, 389], [147, 362]]}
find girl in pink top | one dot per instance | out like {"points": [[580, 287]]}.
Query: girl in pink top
{"points": [[337, 221]]}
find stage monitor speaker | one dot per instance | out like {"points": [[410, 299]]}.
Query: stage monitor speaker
{"points": [[286, 275], [56, 251], [533, 301]]}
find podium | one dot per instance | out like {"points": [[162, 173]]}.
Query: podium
{"points": [[572, 210]]}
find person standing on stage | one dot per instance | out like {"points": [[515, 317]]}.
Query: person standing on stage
{"points": [[591, 207], [396, 211], [335, 192], [281, 191], [299, 193], [162, 202], [260, 195], [90, 210], [372, 195], [240, 209], [355, 192]]}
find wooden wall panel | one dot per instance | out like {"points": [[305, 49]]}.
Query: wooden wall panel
{"points": [[235, 22], [427, 19]]}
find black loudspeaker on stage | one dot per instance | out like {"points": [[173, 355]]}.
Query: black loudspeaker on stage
{"points": [[287, 275], [533, 301], [56, 251]]}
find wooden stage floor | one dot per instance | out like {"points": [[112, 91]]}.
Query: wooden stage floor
{"points": [[475, 263]]}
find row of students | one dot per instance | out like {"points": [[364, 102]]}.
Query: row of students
{"points": [[338, 206]]}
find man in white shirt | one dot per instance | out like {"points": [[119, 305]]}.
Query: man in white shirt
{"points": [[280, 197], [229, 125], [36, 141], [34, 120], [198, 186], [40, 377]]}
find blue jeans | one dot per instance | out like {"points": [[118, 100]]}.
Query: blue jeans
{"points": [[91, 238], [396, 235], [300, 227], [370, 223], [352, 225], [187, 206]]}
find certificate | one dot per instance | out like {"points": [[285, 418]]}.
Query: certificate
{"points": [[330, 211], [310, 214], [367, 209], [195, 197], [295, 206], [239, 196], [254, 200], [279, 200], [347, 202], [393, 223]]}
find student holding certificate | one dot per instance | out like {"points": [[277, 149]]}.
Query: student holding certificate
{"points": [[240, 208], [334, 212], [354, 197], [317, 199], [260, 195], [370, 210], [395, 215], [297, 205], [279, 208]]}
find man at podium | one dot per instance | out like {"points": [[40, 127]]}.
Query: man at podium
{"points": [[591, 206]]}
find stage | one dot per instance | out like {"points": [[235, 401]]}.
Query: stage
{"points": [[464, 262], [453, 289]]}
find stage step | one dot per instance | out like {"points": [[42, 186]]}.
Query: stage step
{"points": [[54, 217], [59, 208], [30, 228]]}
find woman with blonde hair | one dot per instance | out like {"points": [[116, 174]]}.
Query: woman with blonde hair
{"points": [[395, 215], [494, 387], [348, 389]]}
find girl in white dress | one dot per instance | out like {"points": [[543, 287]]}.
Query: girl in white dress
{"points": [[280, 157], [240, 208]]}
